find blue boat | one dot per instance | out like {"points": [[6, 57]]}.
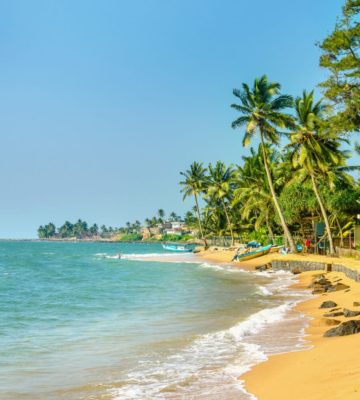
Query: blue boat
{"points": [[180, 248], [257, 252]]}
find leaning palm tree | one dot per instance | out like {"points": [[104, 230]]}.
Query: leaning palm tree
{"points": [[219, 188], [252, 190], [194, 184], [315, 153], [261, 108]]}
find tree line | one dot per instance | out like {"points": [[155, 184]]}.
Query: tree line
{"points": [[82, 230], [300, 171]]}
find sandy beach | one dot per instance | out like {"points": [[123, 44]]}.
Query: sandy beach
{"points": [[330, 369]]}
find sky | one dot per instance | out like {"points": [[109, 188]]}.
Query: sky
{"points": [[103, 103]]}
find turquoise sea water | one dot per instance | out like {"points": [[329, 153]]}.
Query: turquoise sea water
{"points": [[78, 323]]}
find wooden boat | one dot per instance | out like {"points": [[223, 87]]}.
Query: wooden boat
{"points": [[276, 249], [260, 251], [180, 248]]}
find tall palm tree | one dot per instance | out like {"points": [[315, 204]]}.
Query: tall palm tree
{"points": [[315, 153], [261, 108], [194, 184], [220, 182]]}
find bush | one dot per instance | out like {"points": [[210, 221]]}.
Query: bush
{"points": [[171, 238], [130, 237], [260, 236]]}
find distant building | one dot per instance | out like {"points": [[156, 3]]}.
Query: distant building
{"points": [[174, 228]]}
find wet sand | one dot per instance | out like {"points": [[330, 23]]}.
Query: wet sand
{"points": [[330, 369]]}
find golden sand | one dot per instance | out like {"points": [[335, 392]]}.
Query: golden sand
{"points": [[331, 368]]}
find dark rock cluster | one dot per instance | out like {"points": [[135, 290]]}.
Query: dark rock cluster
{"points": [[345, 328], [321, 285]]}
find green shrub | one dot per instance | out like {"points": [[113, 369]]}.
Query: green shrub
{"points": [[171, 238], [130, 237]]}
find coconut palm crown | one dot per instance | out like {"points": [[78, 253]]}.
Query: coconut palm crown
{"points": [[261, 113], [194, 184]]}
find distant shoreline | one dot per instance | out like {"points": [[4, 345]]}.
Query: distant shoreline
{"points": [[65, 240]]}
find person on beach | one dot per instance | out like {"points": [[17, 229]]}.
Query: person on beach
{"points": [[307, 245]]}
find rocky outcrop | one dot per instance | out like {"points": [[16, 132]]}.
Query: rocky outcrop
{"points": [[328, 304], [334, 314], [356, 303], [349, 313], [331, 322], [321, 285], [337, 287], [262, 268], [345, 328]]}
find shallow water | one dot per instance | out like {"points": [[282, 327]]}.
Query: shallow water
{"points": [[78, 323]]}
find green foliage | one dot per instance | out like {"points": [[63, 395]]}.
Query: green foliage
{"points": [[346, 200], [297, 201], [47, 231], [171, 238], [341, 57], [130, 237], [261, 235]]}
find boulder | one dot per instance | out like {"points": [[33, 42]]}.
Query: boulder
{"points": [[328, 304], [349, 313], [330, 321], [334, 314], [356, 303], [322, 281], [296, 271], [337, 287], [262, 268], [346, 328]]}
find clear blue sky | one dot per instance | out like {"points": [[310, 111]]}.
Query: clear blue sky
{"points": [[104, 102]]}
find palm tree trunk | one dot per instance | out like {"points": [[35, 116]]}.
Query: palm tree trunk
{"points": [[323, 212], [276, 203], [229, 223], [340, 232], [268, 225], [199, 220]]}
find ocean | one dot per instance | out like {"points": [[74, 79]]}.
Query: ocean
{"points": [[77, 322]]}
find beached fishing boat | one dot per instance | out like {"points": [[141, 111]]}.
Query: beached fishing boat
{"points": [[248, 255], [180, 248]]}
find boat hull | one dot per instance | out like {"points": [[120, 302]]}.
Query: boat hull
{"points": [[177, 248], [254, 254]]}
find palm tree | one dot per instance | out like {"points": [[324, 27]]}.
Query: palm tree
{"points": [[261, 109], [148, 223], [252, 190], [315, 153], [194, 184], [219, 188], [161, 214], [173, 216]]}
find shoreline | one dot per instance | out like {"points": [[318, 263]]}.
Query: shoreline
{"points": [[329, 366]]}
